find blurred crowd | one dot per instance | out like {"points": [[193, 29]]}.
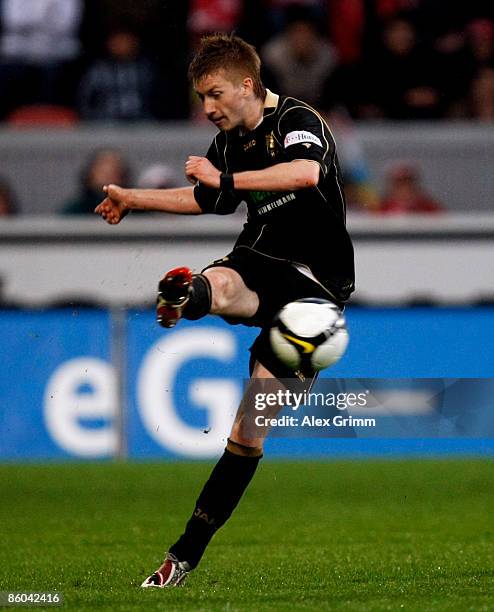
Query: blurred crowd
{"points": [[403, 192], [67, 61], [121, 60]]}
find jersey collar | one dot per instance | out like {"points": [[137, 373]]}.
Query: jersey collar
{"points": [[270, 103]]}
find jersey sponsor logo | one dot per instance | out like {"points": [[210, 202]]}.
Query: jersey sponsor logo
{"points": [[250, 145], [301, 137]]}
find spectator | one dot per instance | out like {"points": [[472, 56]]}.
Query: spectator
{"points": [[400, 80], [346, 25], [481, 96], [473, 72], [277, 11], [103, 167], [161, 28], [404, 193], [207, 16], [299, 59], [8, 201], [120, 86], [480, 44], [167, 41], [39, 49]]}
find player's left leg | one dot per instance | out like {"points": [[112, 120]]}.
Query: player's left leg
{"points": [[224, 488], [234, 286]]}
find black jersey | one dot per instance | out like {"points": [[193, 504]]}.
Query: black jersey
{"points": [[305, 226]]}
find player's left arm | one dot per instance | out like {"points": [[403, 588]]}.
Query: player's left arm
{"points": [[285, 176]]}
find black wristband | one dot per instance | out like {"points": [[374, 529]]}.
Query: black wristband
{"points": [[226, 182]]}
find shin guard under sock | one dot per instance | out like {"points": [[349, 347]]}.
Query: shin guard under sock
{"points": [[199, 303], [219, 497]]}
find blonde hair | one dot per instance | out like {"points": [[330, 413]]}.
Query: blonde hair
{"points": [[230, 53]]}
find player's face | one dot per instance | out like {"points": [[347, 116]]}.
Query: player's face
{"points": [[225, 101]]}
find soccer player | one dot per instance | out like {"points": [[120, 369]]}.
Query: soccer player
{"points": [[277, 154]]}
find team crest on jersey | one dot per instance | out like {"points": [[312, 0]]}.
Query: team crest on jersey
{"points": [[271, 144]]}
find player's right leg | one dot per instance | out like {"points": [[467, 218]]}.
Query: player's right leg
{"points": [[174, 293], [219, 291]]}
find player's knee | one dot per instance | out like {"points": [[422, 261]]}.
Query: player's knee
{"points": [[222, 289]]}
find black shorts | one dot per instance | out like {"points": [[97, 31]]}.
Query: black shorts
{"points": [[276, 282]]}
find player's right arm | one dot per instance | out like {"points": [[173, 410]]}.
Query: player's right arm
{"points": [[119, 202]]}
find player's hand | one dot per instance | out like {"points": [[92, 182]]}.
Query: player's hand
{"points": [[114, 207], [201, 169]]}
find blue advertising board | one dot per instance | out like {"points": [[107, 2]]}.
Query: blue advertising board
{"points": [[62, 394], [56, 384]]}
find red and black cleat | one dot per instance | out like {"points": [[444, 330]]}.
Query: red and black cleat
{"points": [[173, 295], [171, 573]]}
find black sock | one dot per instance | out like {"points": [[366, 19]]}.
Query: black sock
{"points": [[218, 499], [199, 303]]}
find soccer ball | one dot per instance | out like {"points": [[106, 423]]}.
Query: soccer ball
{"points": [[309, 334]]}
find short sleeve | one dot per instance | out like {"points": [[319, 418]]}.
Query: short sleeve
{"points": [[213, 200], [305, 135]]}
